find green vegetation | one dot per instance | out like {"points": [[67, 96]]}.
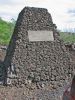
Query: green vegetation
{"points": [[67, 37], [6, 30]]}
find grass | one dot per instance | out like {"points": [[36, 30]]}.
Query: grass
{"points": [[67, 37], [6, 30]]}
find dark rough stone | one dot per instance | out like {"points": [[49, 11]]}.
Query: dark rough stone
{"points": [[36, 61]]}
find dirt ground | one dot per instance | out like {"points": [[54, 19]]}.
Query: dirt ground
{"points": [[14, 93]]}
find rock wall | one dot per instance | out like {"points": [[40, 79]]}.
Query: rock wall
{"points": [[37, 61]]}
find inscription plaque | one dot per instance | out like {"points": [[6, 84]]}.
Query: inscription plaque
{"points": [[40, 36]]}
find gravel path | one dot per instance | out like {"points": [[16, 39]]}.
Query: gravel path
{"points": [[14, 93]]}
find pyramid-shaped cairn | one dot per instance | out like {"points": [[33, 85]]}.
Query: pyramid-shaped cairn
{"points": [[35, 51]]}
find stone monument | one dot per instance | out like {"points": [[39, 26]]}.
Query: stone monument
{"points": [[35, 52]]}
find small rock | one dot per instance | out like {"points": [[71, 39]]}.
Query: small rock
{"points": [[29, 81], [42, 85]]}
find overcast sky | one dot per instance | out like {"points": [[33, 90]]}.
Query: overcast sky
{"points": [[62, 11]]}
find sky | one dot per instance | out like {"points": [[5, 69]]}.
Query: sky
{"points": [[62, 11]]}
